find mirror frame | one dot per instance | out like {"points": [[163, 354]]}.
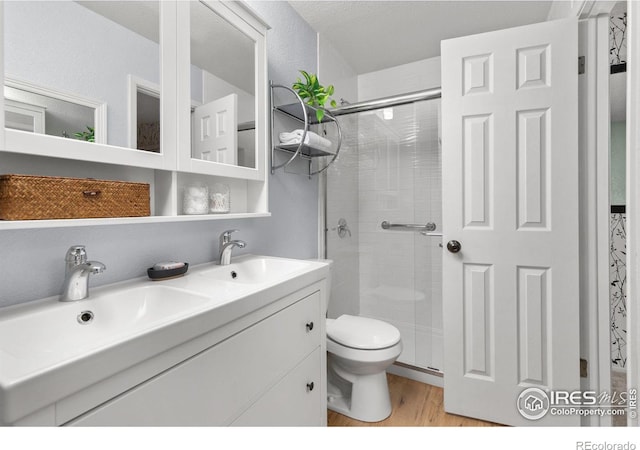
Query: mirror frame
{"points": [[16, 141], [241, 18]]}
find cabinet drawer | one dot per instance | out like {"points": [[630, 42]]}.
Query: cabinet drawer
{"points": [[294, 401], [215, 386]]}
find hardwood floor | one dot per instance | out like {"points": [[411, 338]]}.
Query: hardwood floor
{"points": [[619, 385], [414, 404]]}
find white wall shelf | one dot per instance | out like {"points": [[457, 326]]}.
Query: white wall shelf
{"points": [[173, 169], [306, 115], [62, 223]]}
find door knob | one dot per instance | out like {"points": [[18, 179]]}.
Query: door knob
{"points": [[454, 246]]}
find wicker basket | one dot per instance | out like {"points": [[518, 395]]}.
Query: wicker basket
{"points": [[28, 197]]}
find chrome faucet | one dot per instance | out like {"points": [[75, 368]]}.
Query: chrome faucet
{"points": [[227, 245], [77, 271]]}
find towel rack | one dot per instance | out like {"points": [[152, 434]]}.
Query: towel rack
{"points": [[305, 114]]}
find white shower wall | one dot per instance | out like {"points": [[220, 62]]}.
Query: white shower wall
{"points": [[342, 203], [342, 190]]}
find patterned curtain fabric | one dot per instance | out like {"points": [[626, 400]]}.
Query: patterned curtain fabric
{"points": [[617, 290], [618, 34]]}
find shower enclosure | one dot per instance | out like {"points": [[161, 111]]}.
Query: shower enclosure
{"points": [[383, 218]]}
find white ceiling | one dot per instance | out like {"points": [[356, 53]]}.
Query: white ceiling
{"points": [[373, 35]]}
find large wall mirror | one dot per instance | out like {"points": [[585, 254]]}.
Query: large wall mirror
{"points": [[86, 70], [223, 87], [181, 83]]}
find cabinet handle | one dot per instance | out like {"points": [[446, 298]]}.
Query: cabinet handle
{"points": [[310, 386], [309, 326]]}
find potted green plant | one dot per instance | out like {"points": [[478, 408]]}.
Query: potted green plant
{"points": [[313, 93], [88, 135]]}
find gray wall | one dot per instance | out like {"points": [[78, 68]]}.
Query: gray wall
{"points": [[31, 261]]}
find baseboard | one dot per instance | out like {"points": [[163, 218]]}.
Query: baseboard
{"points": [[423, 376]]}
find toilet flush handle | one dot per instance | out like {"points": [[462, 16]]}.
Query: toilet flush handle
{"points": [[309, 326]]}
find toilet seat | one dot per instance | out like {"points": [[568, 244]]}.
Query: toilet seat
{"points": [[362, 333], [364, 356]]}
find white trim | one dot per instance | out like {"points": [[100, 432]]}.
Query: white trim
{"points": [[595, 319], [601, 359], [99, 108], [322, 183], [588, 217], [241, 8], [595, 325], [416, 375], [633, 199], [58, 147], [593, 8], [64, 223], [2, 143], [168, 92], [232, 13], [322, 215]]}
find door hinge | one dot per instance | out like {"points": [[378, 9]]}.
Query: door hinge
{"points": [[581, 64], [583, 368]]}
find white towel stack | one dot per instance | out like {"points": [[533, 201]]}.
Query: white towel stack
{"points": [[312, 139]]}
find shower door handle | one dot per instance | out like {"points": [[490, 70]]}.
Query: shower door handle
{"points": [[454, 246], [428, 227]]}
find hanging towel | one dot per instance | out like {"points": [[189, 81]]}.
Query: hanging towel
{"points": [[312, 139]]}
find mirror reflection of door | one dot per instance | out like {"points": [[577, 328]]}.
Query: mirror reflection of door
{"points": [[215, 130], [222, 67]]}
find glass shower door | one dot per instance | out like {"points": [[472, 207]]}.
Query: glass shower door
{"points": [[392, 158]]}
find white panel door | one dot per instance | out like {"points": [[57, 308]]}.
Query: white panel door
{"points": [[510, 196], [215, 130]]}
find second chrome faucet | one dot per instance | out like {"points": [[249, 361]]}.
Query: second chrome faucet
{"points": [[227, 245]]}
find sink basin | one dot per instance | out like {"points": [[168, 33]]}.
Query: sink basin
{"points": [[255, 270], [61, 331], [51, 350]]}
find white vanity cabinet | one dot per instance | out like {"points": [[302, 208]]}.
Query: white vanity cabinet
{"points": [[270, 373]]}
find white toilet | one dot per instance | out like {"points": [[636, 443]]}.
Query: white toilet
{"points": [[359, 351]]}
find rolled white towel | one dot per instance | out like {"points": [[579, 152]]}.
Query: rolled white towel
{"points": [[312, 139]]}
